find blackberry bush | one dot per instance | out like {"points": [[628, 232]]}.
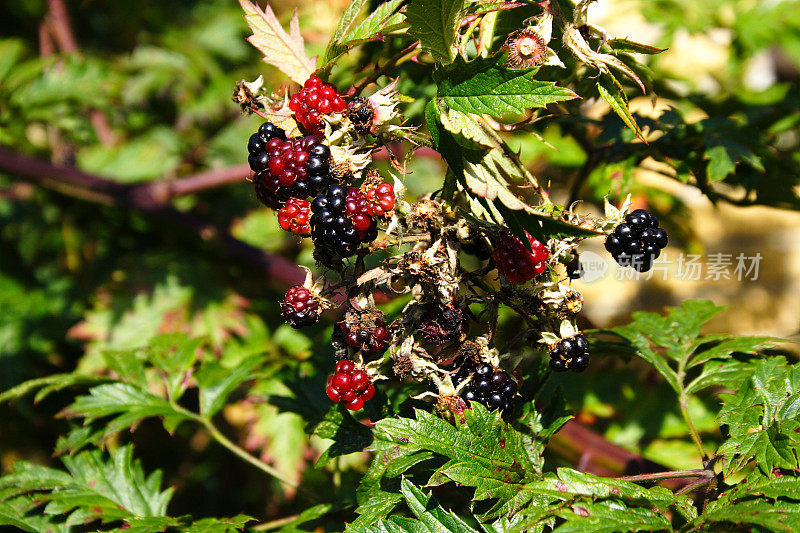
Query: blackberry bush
{"points": [[446, 259]]}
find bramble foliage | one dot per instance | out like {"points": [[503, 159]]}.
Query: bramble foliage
{"points": [[178, 395]]}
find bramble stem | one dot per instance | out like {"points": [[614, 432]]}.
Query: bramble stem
{"points": [[671, 474], [683, 402]]}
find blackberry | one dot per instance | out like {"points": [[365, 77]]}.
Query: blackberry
{"points": [[570, 354], [300, 307], [286, 168], [638, 241], [361, 114], [294, 216], [298, 167], [367, 335], [314, 100], [494, 388], [380, 199], [338, 227], [515, 262], [349, 385]]}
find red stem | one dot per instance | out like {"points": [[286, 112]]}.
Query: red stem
{"points": [[153, 199]]}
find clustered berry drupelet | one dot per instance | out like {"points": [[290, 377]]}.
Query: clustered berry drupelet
{"points": [[516, 262], [638, 241], [287, 168], [368, 337], [300, 307], [338, 226], [570, 354], [349, 385], [314, 100], [295, 215], [494, 388]]}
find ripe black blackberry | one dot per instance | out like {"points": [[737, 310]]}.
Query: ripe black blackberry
{"points": [[570, 354], [333, 230], [494, 388], [300, 307], [638, 241]]}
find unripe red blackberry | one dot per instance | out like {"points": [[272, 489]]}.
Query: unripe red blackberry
{"points": [[374, 339], [349, 385], [515, 262], [366, 330], [294, 216], [638, 241], [570, 353], [300, 307], [315, 99], [380, 199]]}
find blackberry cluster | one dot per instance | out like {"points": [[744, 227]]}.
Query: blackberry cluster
{"points": [[570, 354], [300, 307], [286, 168], [494, 388], [295, 215], [368, 336], [339, 224], [315, 99], [514, 260], [349, 385], [638, 241], [361, 114]]}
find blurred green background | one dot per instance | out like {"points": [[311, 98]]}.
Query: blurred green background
{"points": [[140, 92]]}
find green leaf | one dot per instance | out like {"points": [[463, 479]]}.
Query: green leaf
{"points": [[613, 93], [611, 517], [567, 483], [217, 382], [625, 45], [435, 24], [348, 435], [382, 20], [483, 452], [128, 405], [94, 487], [774, 516], [720, 164], [724, 349], [49, 384], [763, 419], [430, 513], [483, 86]]}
